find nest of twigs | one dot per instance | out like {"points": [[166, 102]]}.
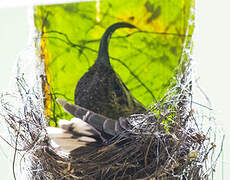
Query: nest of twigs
{"points": [[168, 142]]}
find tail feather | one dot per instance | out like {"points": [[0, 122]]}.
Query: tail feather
{"points": [[90, 130], [72, 135], [97, 121]]}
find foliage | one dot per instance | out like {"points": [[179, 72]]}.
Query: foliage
{"points": [[146, 59]]}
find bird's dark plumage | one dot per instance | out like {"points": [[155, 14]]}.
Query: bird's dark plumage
{"points": [[102, 103], [101, 90]]}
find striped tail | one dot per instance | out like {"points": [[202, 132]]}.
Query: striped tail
{"points": [[97, 121]]}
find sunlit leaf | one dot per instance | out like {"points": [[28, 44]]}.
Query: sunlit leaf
{"points": [[146, 59]]}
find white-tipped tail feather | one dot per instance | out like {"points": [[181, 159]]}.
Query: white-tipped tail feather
{"points": [[71, 135], [97, 121], [87, 129]]}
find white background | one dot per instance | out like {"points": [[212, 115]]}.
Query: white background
{"points": [[211, 51], [14, 30]]}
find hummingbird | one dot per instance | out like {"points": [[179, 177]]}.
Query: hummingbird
{"points": [[101, 90], [102, 104]]}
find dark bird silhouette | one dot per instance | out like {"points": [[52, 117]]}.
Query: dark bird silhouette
{"points": [[101, 90]]}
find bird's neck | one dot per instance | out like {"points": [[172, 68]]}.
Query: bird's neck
{"points": [[103, 55]]}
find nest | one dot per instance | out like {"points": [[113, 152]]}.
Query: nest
{"points": [[168, 142]]}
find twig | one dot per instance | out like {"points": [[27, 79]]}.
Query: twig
{"points": [[15, 151]]}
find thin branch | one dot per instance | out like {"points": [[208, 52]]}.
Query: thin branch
{"points": [[15, 151]]}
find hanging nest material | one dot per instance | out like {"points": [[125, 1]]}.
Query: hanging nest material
{"points": [[172, 141]]}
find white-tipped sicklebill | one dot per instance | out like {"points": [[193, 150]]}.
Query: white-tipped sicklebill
{"points": [[101, 90]]}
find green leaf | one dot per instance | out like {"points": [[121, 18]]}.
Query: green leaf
{"points": [[146, 59]]}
